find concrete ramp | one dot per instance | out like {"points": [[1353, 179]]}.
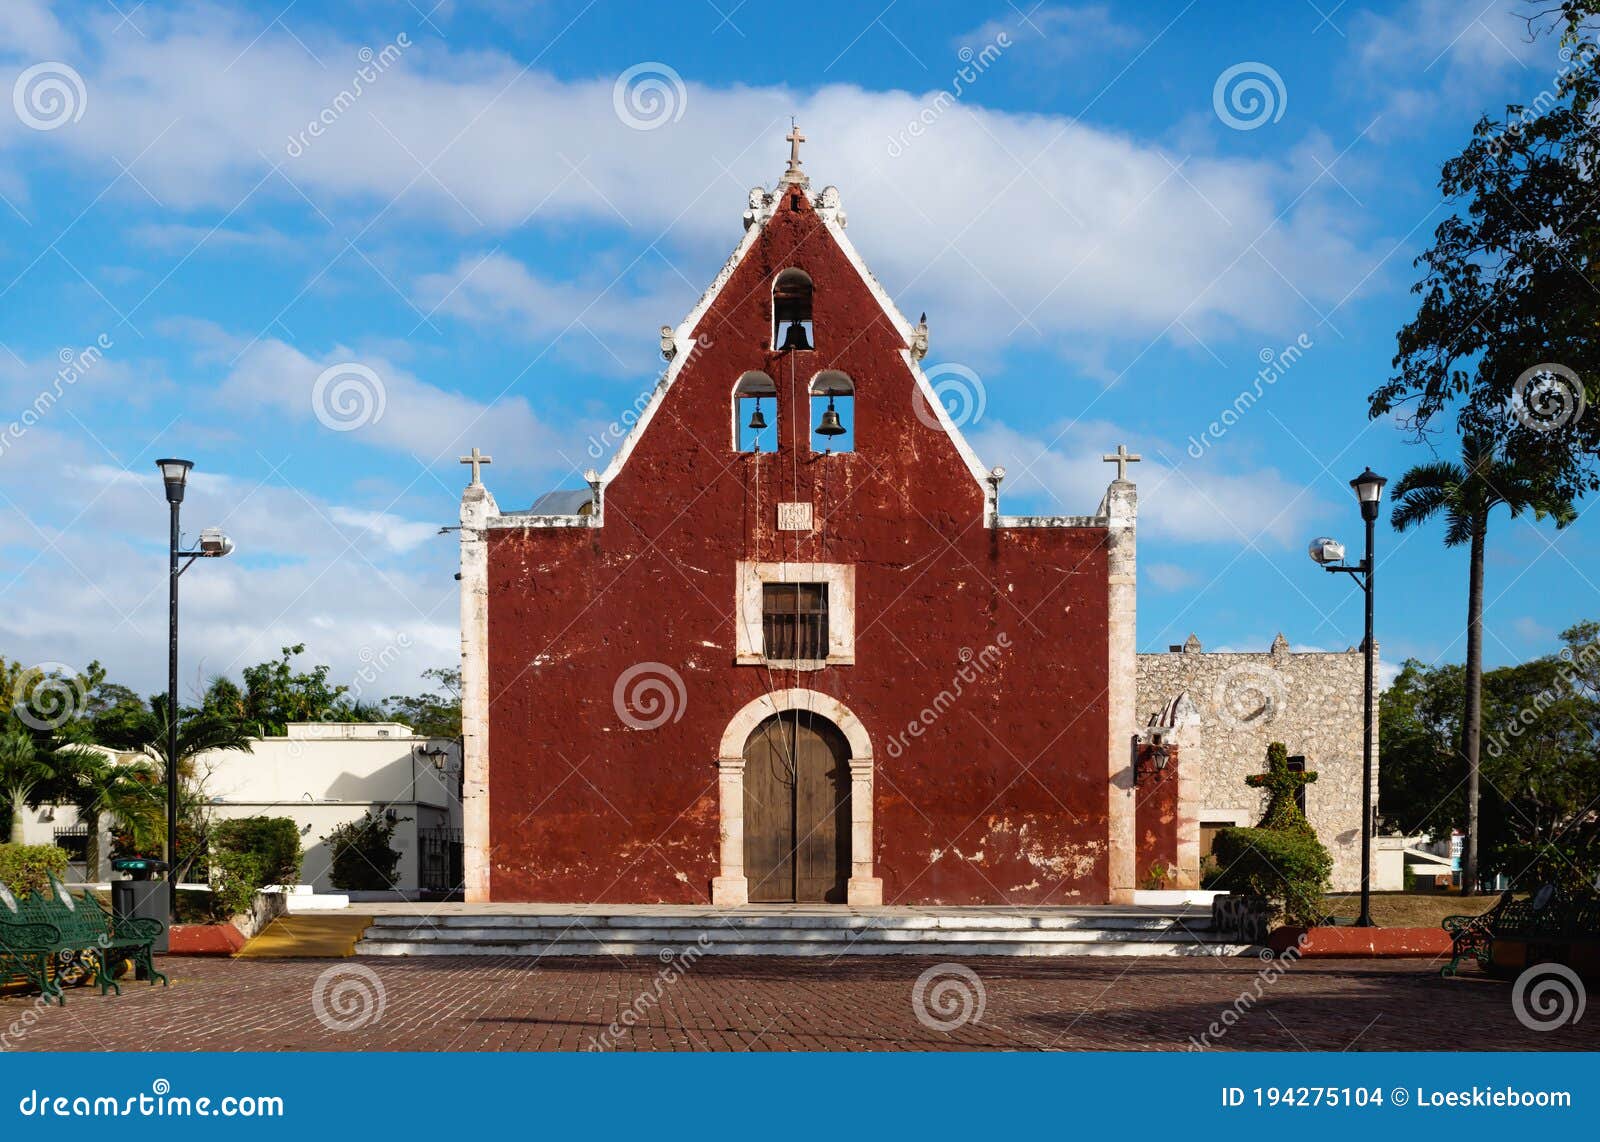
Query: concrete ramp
{"points": [[307, 936]]}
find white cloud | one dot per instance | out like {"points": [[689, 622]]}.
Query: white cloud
{"points": [[1169, 576], [1532, 631], [497, 289], [85, 573], [1060, 471], [1431, 56], [28, 27], [389, 406], [1065, 30], [1055, 229]]}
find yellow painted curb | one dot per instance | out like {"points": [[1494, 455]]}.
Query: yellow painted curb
{"points": [[319, 936]]}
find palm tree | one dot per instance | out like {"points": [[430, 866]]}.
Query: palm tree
{"points": [[21, 770], [199, 732], [99, 786], [1466, 494]]}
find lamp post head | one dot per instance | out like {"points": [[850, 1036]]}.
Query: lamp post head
{"points": [[1369, 490], [1326, 550], [174, 473], [214, 544]]}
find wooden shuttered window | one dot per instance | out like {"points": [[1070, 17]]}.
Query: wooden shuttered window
{"points": [[794, 621]]}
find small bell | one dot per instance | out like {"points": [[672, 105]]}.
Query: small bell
{"points": [[830, 425], [795, 337], [757, 421]]}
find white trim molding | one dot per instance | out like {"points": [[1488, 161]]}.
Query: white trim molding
{"points": [[750, 577], [732, 888], [478, 511]]}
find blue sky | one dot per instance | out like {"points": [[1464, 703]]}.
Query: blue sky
{"points": [[1108, 239]]}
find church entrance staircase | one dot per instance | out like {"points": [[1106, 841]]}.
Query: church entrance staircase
{"points": [[663, 931]]}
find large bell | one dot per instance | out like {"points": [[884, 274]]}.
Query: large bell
{"points": [[795, 337], [830, 425], [757, 421]]}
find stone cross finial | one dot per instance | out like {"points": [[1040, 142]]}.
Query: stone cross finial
{"points": [[794, 138], [794, 175], [1122, 458], [477, 460]]}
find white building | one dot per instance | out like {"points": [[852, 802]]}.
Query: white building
{"points": [[322, 775]]}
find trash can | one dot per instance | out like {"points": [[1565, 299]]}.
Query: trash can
{"points": [[145, 894]]}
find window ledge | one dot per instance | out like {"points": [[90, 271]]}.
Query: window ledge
{"points": [[796, 663]]}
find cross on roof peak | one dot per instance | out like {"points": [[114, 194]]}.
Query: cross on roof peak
{"points": [[1122, 458], [477, 460], [794, 138]]}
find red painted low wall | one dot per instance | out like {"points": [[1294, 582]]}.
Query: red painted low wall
{"points": [[203, 940], [1361, 942]]}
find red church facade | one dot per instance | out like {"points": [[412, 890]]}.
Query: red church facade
{"points": [[729, 676]]}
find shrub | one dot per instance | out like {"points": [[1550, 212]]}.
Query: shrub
{"points": [[1288, 867], [249, 853], [364, 857], [26, 869]]}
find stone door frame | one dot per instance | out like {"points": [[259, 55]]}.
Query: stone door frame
{"points": [[732, 888]]}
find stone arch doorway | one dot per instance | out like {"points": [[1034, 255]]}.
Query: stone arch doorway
{"points": [[797, 810], [831, 721]]}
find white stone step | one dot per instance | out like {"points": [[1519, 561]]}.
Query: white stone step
{"points": [[317, 902], [669, 937], [664, 934], [1198, 922], [813, 948]]}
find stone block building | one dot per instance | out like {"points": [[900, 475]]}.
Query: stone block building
{"points": [[1222, 709]]}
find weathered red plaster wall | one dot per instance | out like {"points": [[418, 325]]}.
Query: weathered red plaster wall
{"points": [[1002, 798], [1156, 813]]}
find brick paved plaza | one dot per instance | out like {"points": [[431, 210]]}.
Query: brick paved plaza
{"points": [[782, 1004]]}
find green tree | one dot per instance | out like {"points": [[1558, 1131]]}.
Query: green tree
{"points": [[276, 693], [1421, 785], [1540, 760], [1508, 284], [1466, 494], [435, 714]]}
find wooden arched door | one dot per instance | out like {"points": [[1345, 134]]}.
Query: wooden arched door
{"points": [[797, 810]]}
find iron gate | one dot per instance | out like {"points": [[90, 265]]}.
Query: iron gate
{"points": [[441, 874]]}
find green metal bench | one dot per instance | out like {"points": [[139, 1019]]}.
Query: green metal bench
{"points": [[73, 935], [1475, 935]]}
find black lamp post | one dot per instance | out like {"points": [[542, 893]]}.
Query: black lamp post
{"points": [[1368, 488], [175, 475]]}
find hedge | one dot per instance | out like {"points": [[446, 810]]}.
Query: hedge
{"points": [[1289, 868], [26, 869], [364, 857], [249, 853]]}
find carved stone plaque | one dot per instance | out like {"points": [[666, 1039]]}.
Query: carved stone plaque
{"points": [[794, 517]]}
